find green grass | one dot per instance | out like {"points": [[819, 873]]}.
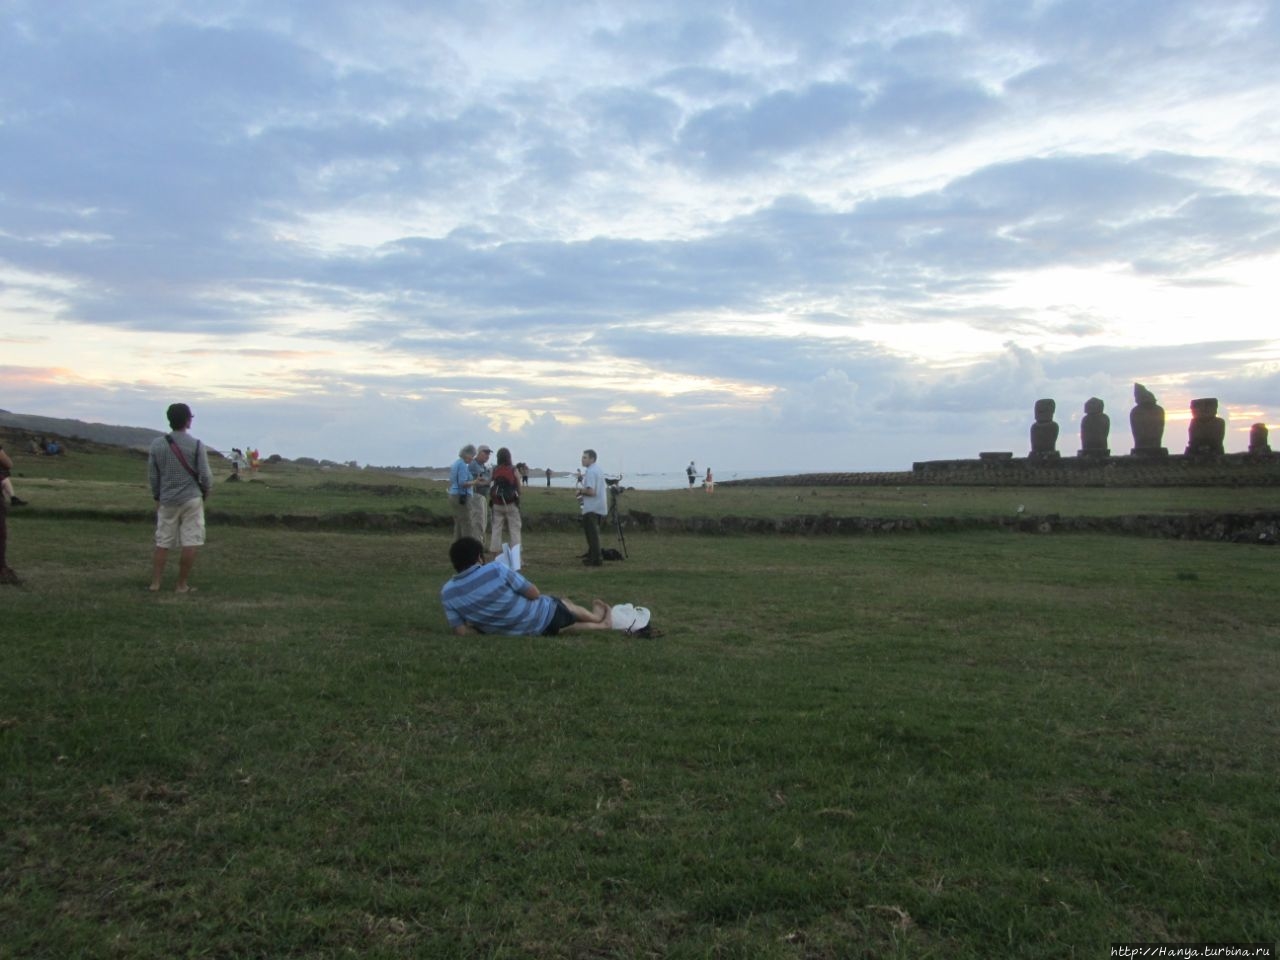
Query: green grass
{"points": [[112, 481], [951, 746]]}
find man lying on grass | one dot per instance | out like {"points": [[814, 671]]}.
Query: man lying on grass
{"points": [[493, 598]]}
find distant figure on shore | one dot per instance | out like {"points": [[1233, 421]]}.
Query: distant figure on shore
{"points": [[548, 478], [1095, 426], [1207, 430], [1044, 432], [1146, 420], [692, 473], [709, 484]]}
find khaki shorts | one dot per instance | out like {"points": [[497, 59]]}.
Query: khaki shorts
{"points": [[180, 524]]}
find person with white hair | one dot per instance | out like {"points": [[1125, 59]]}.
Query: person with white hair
{"points": [[460, 487]]}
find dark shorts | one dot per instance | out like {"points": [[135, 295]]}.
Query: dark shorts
{"points": [[563, 617]]}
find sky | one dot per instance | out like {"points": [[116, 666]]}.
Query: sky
{"points": [[765, 235]]}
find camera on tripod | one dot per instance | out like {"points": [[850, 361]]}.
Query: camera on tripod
{"points": [[613, 485]]}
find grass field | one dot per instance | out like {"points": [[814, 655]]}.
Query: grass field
{"points": [[114, 483], [951, 746]]}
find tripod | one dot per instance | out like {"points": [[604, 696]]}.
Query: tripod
{"points": [[612, 486]]}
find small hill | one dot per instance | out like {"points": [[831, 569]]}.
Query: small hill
{"points": [[135, 437]]}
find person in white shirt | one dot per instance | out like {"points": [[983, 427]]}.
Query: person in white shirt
{"points": [[593, 500]]}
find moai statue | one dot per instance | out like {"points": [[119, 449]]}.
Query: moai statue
{"points": [[1258, 445], [1207, 429], [1044, 432], [1095, 426], [1146, 419]]}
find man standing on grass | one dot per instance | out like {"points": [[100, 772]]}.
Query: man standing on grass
{"points": [[479, 504], [460, 484], [7, 574], [493, 598], [593, 499], [178, 469]]}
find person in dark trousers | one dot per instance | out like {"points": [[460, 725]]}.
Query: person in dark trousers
{"points": [[593, 500]]}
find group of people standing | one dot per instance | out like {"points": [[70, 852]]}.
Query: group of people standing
{"points": [[708, 483], [486, 501], [493, 597]]}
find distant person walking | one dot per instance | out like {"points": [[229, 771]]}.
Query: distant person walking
{"points": [[7, 574], [709, 484], [692, 473], [178, 470], [548, 478], [593, 500], [460, 484]]}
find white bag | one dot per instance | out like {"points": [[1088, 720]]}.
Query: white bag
{"points": [[628, 618]]}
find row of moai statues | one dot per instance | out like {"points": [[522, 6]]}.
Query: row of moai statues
{"points": [[1205, 434]]}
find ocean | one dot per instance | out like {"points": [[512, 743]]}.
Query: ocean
{"points": [[666, 480], [678, 480]]}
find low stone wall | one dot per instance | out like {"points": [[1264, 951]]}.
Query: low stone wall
{"points": [[882, 479], [1175, 470], [1258, 528]]}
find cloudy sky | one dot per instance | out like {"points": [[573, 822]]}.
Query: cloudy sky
{"points": [[766, 234]]}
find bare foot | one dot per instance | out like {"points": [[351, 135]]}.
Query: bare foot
{"points": [[183, 588], [154, 588]]}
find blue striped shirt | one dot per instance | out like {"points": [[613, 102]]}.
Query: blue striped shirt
{"points": [[487, 597]]}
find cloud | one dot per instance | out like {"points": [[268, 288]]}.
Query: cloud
{"points": [[774, 225]]}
